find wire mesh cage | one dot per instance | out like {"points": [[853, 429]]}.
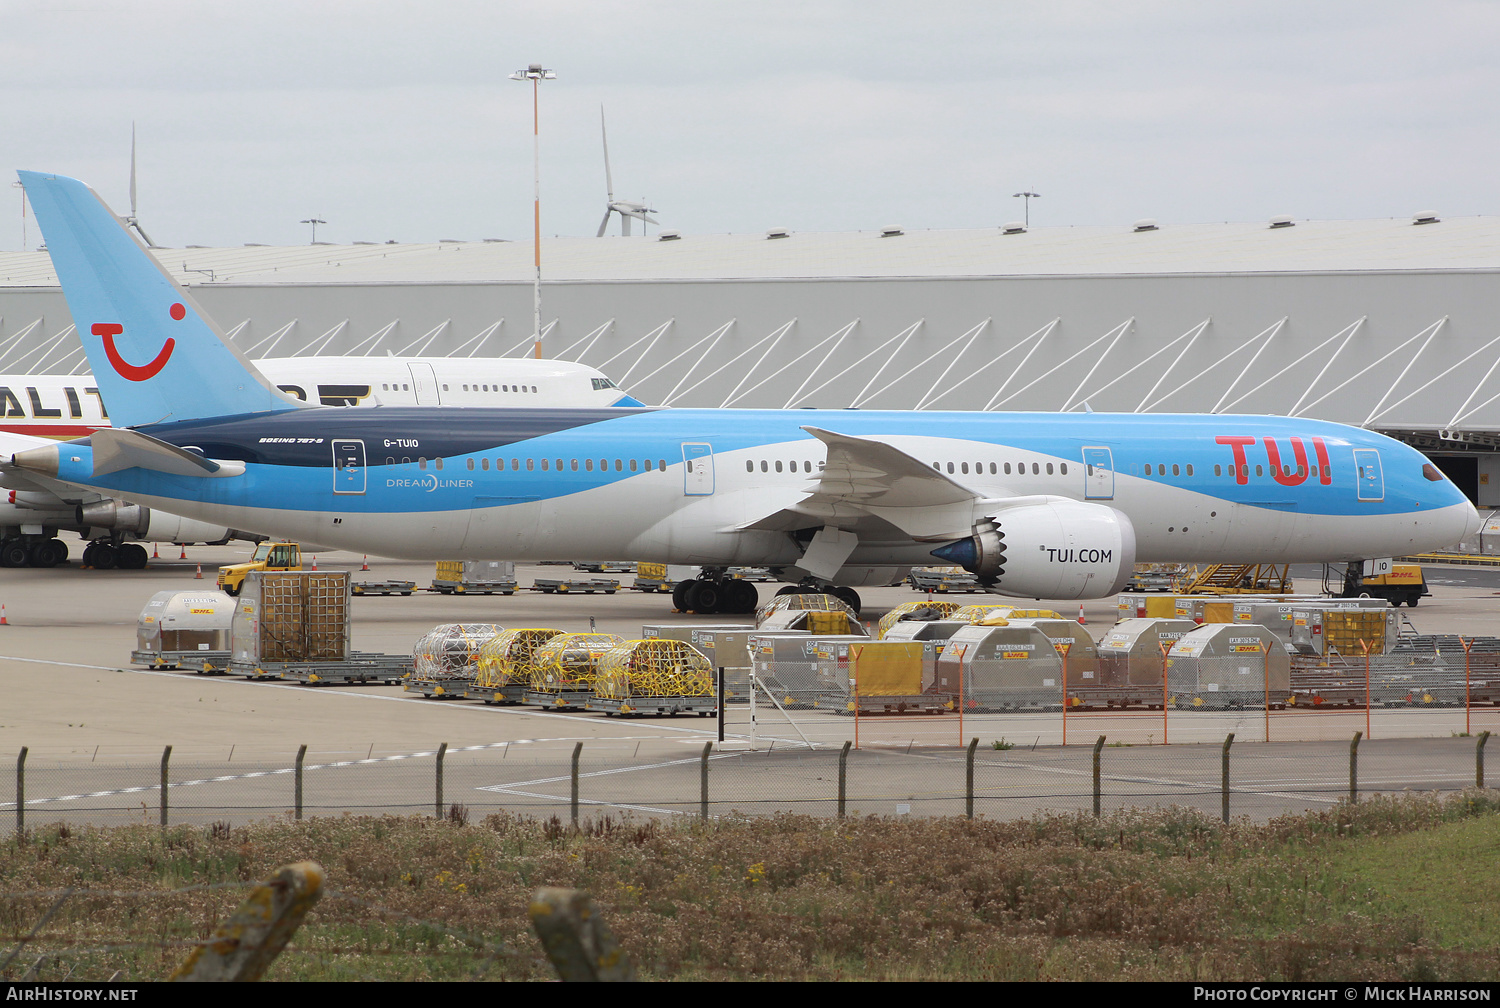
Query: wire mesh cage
{"points": [[653, 668], [569, 662], [984, 612], [450, 651], [505, 659], [906, 611]]}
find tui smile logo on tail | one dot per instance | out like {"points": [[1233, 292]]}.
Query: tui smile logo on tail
{"points": [[136, 372]]}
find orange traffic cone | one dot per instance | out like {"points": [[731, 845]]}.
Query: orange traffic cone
{"points": [[155, 552], [315, 562], [365, 565], [183, 556], [3, 620], [1080, 615], [199, 575]]}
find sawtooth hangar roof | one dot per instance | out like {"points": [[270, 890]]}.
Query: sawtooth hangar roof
{"points": [[1394, 244]]}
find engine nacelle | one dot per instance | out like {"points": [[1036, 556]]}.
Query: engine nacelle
{"points": [[1056, 549], [144, 523]]}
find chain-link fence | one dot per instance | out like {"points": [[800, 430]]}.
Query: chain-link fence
{"points": [[572, 780]]}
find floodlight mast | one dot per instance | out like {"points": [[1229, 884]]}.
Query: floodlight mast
{"points": [[536, 73], [1027, 197]]}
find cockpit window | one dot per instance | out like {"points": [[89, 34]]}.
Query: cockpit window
{"points": [[1433, 473], [602, 383]]}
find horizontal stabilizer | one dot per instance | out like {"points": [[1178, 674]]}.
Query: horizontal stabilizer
{"points": [[116, 449]]}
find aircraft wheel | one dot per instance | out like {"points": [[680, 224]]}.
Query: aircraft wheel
{"points": [[49, 553], [104, 556], [704, 597], [14, 554], [131, 556], [740, 597], [848, 596], [791, 590], [679, 595]]}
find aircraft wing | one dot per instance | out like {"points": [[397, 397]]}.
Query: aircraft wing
{"points": [[865, 479]]}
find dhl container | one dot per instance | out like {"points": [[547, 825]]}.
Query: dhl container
{"points": [[1131, 652], [184, 621], [1074, 644], [1229, 665], [1000, 668]]}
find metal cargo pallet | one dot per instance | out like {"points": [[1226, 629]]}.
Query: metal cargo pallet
{"points": [[176, 659], [606, 567], [382, 587], [1226, 700], [1108, 697], [559, 699], [943, 584], [643, 584], [703, 706], [436, 689], [364, 666], [751, 573], [474, 587], [930, 703], [561, 586], [497, 696]]}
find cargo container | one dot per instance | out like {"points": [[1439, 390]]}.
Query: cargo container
{"points": [[868, 676], [785, 667], [1131, 654], [564, 668], [997, 668], [445, 659], [178, 624], [653, 676], [1073, 642], [503, 672], [1321, 632], [290, 616], [1224, 665]]}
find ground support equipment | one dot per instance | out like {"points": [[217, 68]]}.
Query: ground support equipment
{"points": [[561, 586], [498, 696], [559, 699], [382, 587], [649, 706], [447, 587]]}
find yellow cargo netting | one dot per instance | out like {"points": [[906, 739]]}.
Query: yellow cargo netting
{"points": [[450, 651], [570, 661], [505, 659], [893, 617], [653, 668], [981, 614]]}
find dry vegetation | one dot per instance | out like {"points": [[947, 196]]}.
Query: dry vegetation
{"points": [[1164, 894]]}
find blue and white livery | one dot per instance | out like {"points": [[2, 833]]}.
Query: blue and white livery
{"points": [[1038, 505]]}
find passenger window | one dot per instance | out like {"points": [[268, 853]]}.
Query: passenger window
{"points": [[530, 465], [389, 461], [1049, 468], [405, 461], [778, 465], [1217, 471], [471, 464], [1007, 468], [663, 462], [964, 468], [484, 464], [619, 467], [437, 463], [1258, 471], [632, 465], [544, 465], [994, 469], [1175, 470], [1062, 468], [588, 464], [421, 463], [1190, 469], [749, 466], [1036, 470], [765, 466], [950, 467], [573, 465]]}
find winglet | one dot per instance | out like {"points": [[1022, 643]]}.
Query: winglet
{"points": [[156, 355]]}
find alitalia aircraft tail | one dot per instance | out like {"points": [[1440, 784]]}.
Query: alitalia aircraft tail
{"points": [[156, 356]]}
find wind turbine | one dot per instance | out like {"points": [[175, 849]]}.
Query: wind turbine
{"points": [[624, 208], [131, 221]]}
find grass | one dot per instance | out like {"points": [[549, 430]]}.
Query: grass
{"points": [[1389, 889]]}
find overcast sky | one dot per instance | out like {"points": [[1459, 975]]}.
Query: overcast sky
{"points": [[397, 120]]}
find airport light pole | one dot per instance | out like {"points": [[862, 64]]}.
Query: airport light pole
{"points": [[536, 74], [1027, 197], [314, 222]]}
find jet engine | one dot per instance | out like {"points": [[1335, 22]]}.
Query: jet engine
{"points": [[1051, 549], [153, 526]]}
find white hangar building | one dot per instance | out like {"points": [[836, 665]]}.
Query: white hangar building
{"points": [[1390, 324]]}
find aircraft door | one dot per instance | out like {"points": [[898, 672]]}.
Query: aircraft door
{"points": [[424, 383], [1368, 479], [698, 469], [348, 467], [1098, 474]]}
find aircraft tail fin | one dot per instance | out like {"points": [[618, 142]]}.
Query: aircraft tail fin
{"points": [[156, 355]]}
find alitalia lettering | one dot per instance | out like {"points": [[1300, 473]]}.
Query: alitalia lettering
{"points": [[1078, 555]]}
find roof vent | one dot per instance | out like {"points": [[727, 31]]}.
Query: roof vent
{"points": [[1147, 224], [256, 245], [779, 233], [1014, 227], [1282, 220], [668, 236], [366, 243], [1425, 217], [314, 243], [891, 231]]}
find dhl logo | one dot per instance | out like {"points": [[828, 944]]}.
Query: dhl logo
{"points": [[1284, 474]]}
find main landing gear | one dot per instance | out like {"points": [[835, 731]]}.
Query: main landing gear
{"points": [[33, 552], [714, 592], [101, 554]]}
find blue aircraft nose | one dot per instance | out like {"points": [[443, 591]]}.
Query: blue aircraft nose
{"points": [[962, 552]]}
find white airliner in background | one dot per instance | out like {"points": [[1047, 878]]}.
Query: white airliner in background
{"points": [[70, 406]]}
